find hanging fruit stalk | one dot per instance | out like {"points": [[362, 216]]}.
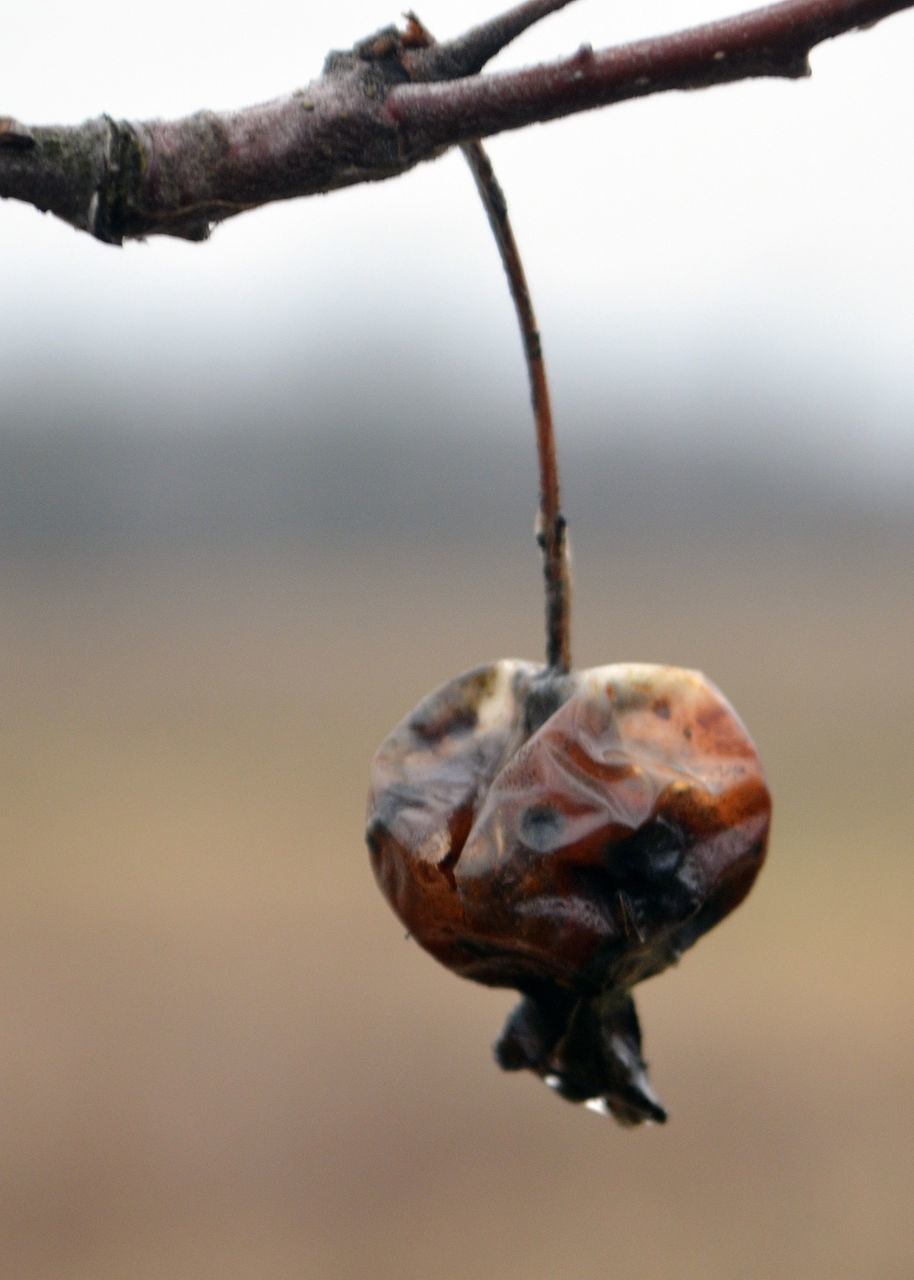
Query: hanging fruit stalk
{"points": [[551, 533], [566, 833]]}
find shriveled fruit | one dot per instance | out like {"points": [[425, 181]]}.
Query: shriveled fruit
{"points": [[569, 835]]}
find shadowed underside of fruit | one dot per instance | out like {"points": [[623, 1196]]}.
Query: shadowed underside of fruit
{"points": [[569, 835]]}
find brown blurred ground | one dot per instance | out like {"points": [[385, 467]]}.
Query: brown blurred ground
{"points": [[220, 1058]]}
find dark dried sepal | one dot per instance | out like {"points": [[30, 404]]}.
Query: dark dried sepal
{"points": [[585, 1051]]}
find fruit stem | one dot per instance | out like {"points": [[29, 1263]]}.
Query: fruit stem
{"points": [[551, 531]]}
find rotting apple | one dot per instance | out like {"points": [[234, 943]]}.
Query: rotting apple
{"points": [[569, 834]]}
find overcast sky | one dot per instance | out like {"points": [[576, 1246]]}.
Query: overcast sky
{"points": [[747, 244]]}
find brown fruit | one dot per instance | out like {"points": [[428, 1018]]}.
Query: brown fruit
{"points": [[569, 835]]}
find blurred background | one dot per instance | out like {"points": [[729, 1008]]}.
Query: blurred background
{"points": [[257, 497]]}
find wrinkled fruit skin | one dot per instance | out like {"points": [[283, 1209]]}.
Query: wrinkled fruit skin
{"points": [[569, 835]]}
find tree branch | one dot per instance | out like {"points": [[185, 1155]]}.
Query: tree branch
{"points": [[378, 110], [773, 41]]}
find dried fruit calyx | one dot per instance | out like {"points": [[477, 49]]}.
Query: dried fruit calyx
{"points": [[569, 835]]}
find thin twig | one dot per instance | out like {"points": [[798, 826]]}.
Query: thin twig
{"points": [[469, 53], [551, 534], [552, 530]]}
